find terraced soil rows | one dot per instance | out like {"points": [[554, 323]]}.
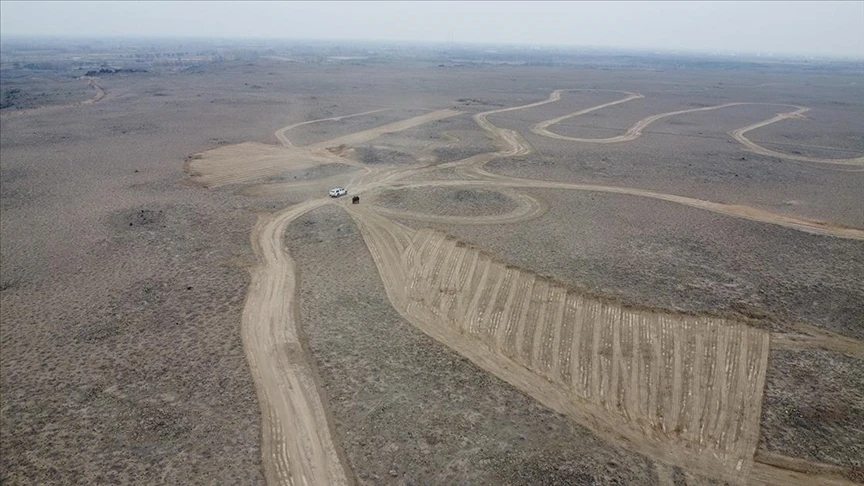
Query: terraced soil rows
{"points": [[686, 390], [283, 139], [681, 389]]}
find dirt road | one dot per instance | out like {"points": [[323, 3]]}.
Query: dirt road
{"points": [[372, 133], [636, 130], [296, 442], [684, 390], [734, 210], [297, 447], [738, 134], [527, 208], [280, 134], [100, 93], [511, 143]]}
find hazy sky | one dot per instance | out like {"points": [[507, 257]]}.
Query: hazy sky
{"points": [[810, 28]]}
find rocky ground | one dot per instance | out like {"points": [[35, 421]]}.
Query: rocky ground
{"points": [[410, 411], [122, 286]]}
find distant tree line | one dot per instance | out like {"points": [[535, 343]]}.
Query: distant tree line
{"points": [[113, 71]]}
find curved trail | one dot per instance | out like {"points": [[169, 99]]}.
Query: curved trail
{"points": [[631, 134], [296, 445], [540, 128], [734, 210], [100, 93], [419, 291], [636, 130], [512, 143], [246, 162], [572, 352], [575, 353], [527, 208], [738, 134], [280, 134], [372, 133]]}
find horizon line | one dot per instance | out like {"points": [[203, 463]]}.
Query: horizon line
{"points": [[623, 49]]}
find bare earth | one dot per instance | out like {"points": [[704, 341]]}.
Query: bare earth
{"points": [[677, 386]]}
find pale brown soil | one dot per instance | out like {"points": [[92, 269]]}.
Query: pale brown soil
{"points": [[677, 214], [630, 374], [433, 416], [416, 408]]}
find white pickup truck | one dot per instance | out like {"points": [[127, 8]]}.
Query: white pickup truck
{"points": [[338, 191]]}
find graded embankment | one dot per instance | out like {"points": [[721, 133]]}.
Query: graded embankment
{"points": [[684, 389]]}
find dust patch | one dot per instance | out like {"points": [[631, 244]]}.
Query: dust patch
{"points": [[683, 389]]}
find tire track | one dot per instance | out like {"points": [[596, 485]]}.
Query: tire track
{"points": [[527, 208], [636, 130], [637, 378], [296, 443], [738, 134], [283, 138], [603, 354], [372, 133], [811, 337], [734, 210]]}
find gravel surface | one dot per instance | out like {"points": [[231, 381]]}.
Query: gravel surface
{"points": [[447, 201], [122, 287], [410, 411], [814, 407]]}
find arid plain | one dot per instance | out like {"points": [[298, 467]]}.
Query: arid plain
{"points": [[554, 276]]}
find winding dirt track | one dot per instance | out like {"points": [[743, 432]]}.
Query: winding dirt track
{"points": [[738, 211], [636, 130], [41, 110], [527, 208], [738, 134], [684, 390], [280, 134], [296, 441]]}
